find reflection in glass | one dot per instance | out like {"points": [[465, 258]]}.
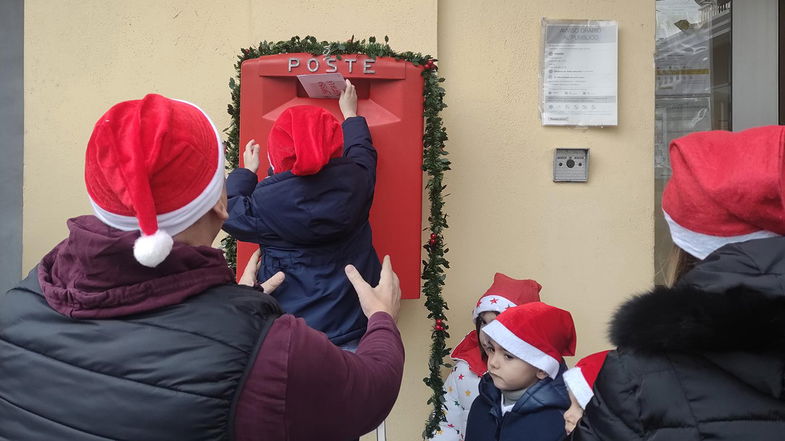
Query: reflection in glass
{"points": [[692, 89]]}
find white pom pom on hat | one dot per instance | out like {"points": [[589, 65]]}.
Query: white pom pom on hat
{"points": [[155, 166], [150, 251]]}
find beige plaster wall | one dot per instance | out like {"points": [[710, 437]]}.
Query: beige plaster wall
{"points": [[588, 244]]}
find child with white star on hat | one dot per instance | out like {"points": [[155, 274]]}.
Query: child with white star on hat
{"points": [[460, 387]]}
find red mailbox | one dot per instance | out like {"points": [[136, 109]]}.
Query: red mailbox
{"points": [[390, 97]]}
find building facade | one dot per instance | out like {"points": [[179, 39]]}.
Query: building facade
{"points": [[590, 244]]}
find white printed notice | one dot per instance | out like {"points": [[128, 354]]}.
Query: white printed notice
{"points": [[327, 85], [579, 73]]}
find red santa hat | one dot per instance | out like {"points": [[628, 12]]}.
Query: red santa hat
{"points": [[303, 139], [537, 333], [580, 379], [506, 292], [155, 165], [726, 187]]}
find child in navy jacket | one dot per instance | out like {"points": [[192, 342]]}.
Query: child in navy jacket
{"points": [[523, 396], [310, 216]]}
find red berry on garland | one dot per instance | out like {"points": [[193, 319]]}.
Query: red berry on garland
{"points": [[434, 236], [439, 322], [439, 327], [432, 242]]}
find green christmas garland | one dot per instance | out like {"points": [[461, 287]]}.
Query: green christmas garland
{"points": [[435, 163]]}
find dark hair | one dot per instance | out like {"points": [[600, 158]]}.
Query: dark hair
{"points": [[477, 325]]}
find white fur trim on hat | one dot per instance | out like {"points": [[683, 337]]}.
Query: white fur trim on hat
{"points": [[521, 349], [701, 245], [152, 250], [492, 303], [577, 384], [176, 221]]}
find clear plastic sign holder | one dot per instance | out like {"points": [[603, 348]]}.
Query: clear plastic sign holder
{"points": [[579, 73]]}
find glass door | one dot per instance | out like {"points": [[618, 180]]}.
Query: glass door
{"points": [[719, 66], [693, 55]]}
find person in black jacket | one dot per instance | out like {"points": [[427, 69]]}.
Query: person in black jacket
{"points": [[704, 359]]}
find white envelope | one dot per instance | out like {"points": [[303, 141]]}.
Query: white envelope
{"points": [[327, 85]]}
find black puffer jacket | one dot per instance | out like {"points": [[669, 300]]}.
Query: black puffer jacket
{"points": [[704, 360]]}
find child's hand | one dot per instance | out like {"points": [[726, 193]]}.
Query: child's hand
{"points": [[385, 297], [251, 156], [348, 101]]}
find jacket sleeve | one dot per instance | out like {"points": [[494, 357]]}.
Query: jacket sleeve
{"points": [[334, 394], [358, 147], [450, 430], [301, 387], [243, 221], [611, 413]]}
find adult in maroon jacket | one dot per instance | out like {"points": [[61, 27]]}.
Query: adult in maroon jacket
{"points": [[132, 328]]}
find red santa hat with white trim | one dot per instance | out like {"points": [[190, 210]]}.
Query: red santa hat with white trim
{"points": [[580, 379], [506, 292], [303, 140], [155, 165], [726, 187], [537, 333]]}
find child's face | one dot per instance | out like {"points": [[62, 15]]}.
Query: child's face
{"points": [[487, 317], [573, 415], [509, 372]]}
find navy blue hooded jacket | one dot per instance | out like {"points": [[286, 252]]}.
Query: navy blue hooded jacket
{"points": [[311, 227], [536, 416]]}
